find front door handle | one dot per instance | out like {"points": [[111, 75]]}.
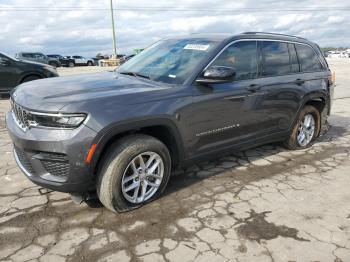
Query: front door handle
{"points": [[299, 81], [253, 88]]}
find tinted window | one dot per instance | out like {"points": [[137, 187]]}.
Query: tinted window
{"points": [[307, 58], [39, 55], [293, 58], [241, 57], [274, 58], [27, 55]]}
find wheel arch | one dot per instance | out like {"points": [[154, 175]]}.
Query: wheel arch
{"points": [[163, 129], [320, 100], [24, 76]]}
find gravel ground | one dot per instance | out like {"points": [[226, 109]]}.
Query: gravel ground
{"points": [[263, 204]]}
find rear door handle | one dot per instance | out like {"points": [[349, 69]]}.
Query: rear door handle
{"points": [[299, 81], [253, 88]]}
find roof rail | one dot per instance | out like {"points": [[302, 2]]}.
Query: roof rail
{"points": [[266, 33]]}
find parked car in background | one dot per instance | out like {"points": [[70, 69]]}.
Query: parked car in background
{"points": [[181, 100], [14, 72], [65, 61], [38, 57], [80, 60], [338, 54]]}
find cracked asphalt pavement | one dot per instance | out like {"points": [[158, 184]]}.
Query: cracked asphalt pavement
{"points": [[263, 204]]}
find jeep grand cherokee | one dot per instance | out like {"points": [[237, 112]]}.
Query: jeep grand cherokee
{"points": [[179, 101]]}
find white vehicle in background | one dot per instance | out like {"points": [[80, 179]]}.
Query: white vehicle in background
{"points": [[338, 54], [80, 60]]}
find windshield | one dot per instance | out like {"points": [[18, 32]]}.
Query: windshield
{"points": [[169, 61]]}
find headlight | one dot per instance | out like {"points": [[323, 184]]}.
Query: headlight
{"points": [[51, 69], [55, 120]]}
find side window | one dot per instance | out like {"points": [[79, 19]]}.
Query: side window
{"points": [[274, 58], [308, 59], [294, 64], [27, 55], [241, 56]]}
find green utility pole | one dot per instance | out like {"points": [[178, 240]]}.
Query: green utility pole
{"points": [[114, 42]]}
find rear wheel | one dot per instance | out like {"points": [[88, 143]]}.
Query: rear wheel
{"points": [[136, 171], [71, 64], [306, 129], [89, 63]]}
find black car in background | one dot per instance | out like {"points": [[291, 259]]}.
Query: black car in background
{"points": [[14, 72], [65, 61]]}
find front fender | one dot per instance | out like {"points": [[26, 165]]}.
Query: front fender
{"points": [[107, 134]]}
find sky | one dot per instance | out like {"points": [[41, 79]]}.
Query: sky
{"points": [[71, 27]]}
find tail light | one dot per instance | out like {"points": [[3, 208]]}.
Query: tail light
{"points": [[331, 78]]}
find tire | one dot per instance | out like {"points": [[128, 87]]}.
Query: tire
{"points": [[71, 64], [30, 78], [293, 142], [116, 169], [89, 63]]}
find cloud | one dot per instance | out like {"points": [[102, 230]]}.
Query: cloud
{"points": [[84, 27]]}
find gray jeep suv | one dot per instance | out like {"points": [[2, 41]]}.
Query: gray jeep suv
{"points": [[180, 101]]}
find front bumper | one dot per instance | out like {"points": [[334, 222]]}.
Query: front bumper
{"points": [[53, 158]]}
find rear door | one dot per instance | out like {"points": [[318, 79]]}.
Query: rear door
{"points": [[281, 86], [314, 73], [40, 58]]}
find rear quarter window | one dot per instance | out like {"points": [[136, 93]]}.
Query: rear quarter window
{"points": [[308, 59]]}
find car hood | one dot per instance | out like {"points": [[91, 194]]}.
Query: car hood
{"points": [[52, 94], [32, 63]]}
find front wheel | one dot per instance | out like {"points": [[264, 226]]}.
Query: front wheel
{"points": [[136, 170], [306, 129], [89, 63]]}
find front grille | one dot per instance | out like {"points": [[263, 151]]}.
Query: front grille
{"points": [[59, 169], [20, 115], [24, 161]]}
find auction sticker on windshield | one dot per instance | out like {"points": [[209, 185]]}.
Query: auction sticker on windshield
{"points": [[196, 47]]}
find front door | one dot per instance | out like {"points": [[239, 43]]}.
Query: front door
{"points": [[224, 115]]}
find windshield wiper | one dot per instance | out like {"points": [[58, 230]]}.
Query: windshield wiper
{"points": [[134, 74]]}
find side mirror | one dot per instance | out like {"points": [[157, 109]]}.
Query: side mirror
{"points": [[216, 75], [4, 62]]}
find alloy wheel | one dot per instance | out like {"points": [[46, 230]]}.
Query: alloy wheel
{"points": [[142, 177], [306, 130]]}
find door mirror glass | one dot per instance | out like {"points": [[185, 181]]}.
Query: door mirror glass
{"points": [[217, 74], [4, 62]]}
